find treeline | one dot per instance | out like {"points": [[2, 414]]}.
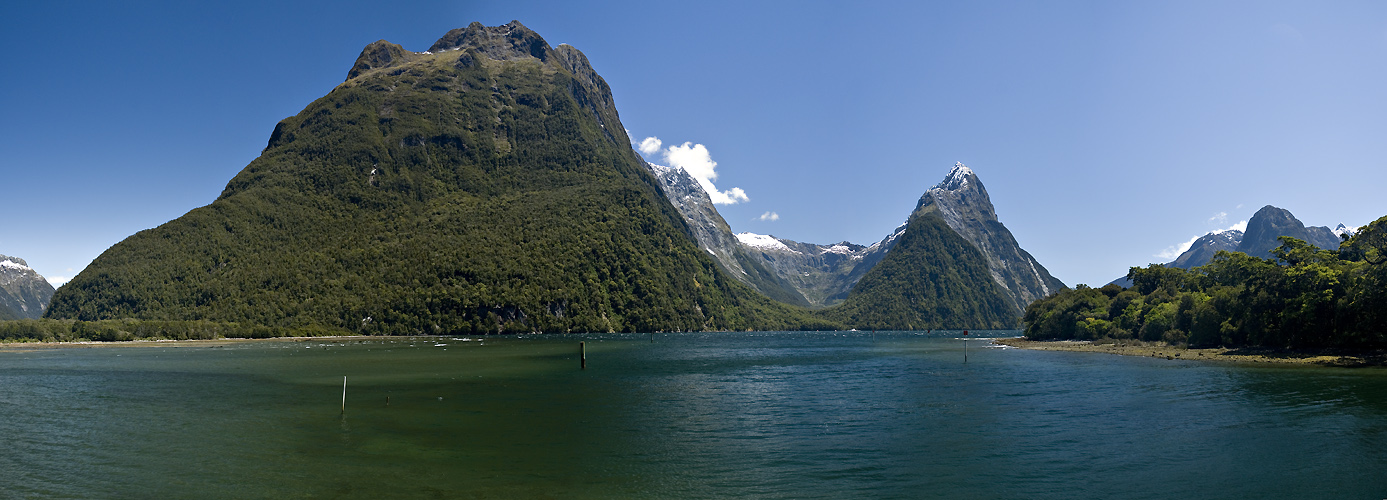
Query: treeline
{"points": [[114, 330], [1305, 297]]}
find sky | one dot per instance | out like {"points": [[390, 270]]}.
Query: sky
{"points": [[1106, 133]]}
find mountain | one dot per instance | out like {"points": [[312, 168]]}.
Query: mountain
{"points": [[1204, 248], [931, 278], [484, 185], [24, 294], [1271, 222], [962, 202]]}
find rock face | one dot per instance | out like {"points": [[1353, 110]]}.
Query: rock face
{"points": [[715, 236], [962, 201], [24, 294], [803, 274], [1204, 248], [1271, 222], [485, 185], [823, 274]]}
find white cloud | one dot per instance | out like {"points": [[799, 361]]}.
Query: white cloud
{"points": [[650, 145], [1221, 218], [771, 216], [695, 160], [57, 281]]}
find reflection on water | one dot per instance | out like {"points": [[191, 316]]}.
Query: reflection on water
{"points": [[824, 415]]}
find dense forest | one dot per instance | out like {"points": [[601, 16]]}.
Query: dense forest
{"points": [[1303, 297]]}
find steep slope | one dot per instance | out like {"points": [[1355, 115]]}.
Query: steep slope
{"points": [[802, 274], [931, 278], [963, 203], [24, 294], [1271, 222], [715, 236], [485, 185], [1204, 248]]}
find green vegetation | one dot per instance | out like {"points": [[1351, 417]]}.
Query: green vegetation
{"points": [[1304, 298], [450, 193], [932, 278], [67, 330]]}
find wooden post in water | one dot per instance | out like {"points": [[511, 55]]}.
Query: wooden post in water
{"points": [[965, 346], [344, 394], [583, 355]]}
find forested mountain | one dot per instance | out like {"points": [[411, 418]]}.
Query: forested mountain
{"points": [[484, 185], [24, 294]]}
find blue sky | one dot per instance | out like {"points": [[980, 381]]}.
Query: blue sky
{"points": [[1105, 132]]}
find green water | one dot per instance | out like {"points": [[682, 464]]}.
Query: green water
{"points": [[778, 415]]}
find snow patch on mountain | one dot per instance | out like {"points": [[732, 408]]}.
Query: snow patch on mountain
{"points": [[18, 266], [1342, 229], [839, 249], [957, 178], [763, 242]]}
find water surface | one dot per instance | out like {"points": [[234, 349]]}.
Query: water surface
{"points": [[771, 415]]}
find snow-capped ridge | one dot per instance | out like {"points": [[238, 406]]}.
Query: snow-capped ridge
{"points": [[762, 241]]}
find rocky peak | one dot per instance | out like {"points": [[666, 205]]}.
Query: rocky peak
{"points": [[24, 294], [957, 178], [958, 197], [1271, 222], [380, 54], [962, 201], [506, 42]]}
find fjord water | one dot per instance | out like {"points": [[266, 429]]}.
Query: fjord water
{"points": [[795, 415]]}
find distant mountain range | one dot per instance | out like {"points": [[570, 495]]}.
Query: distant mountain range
{"points": [[24, 294], [1263, 229]]}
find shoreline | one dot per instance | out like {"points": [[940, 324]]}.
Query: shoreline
{"points": [[21, 346], [1316, 357]]}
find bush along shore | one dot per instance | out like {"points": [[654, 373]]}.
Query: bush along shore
{"points": [[115, 330], [1304, 301], [1324, 357]]}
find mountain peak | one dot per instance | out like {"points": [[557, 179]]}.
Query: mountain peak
{"points": [[957, 179], [24, 294], [503, 43]]}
